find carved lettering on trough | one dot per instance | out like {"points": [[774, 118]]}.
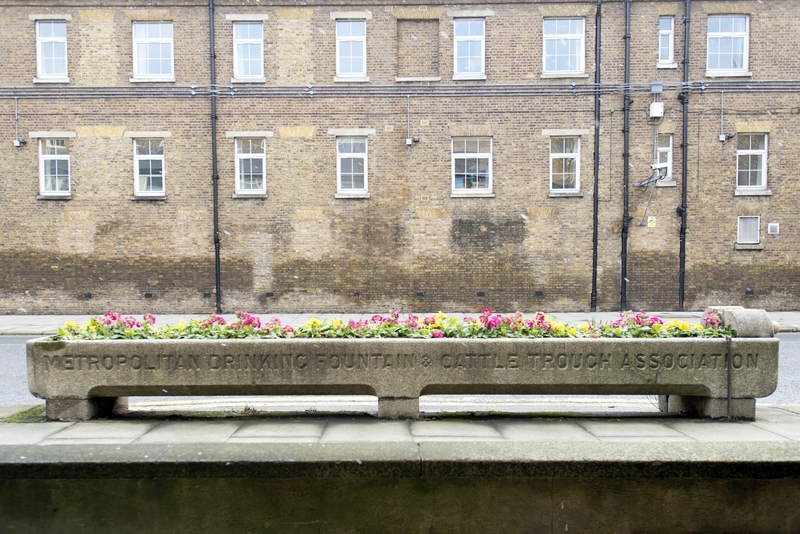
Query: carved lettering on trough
{"points": [[401, 362]]}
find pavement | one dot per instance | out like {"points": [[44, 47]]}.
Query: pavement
{"points": [[154, 434]]}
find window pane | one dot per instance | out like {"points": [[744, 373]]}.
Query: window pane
{"points": [[743, 142], [471, 145], [758, 142], [748, 230], [459, 145], [665, 23], [461, 28], [54, 146]]}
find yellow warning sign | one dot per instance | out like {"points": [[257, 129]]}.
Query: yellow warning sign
{"points": [[651, 221]]}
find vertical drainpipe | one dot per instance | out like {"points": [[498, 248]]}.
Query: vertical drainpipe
{"points": [[596, 202], [214, 173], [684, 97], [623, 301]]}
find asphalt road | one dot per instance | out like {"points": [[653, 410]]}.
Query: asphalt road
{"points": [[14, 388]]}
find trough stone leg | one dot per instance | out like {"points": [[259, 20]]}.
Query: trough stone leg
{"points": [[398, 407], [713, 408], [83, 409]]}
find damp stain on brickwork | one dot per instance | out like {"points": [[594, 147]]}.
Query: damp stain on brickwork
{"points": [[486, 234]]}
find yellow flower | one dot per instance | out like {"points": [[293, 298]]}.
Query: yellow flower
{"points": [[572, 331], [558, 327], [584, 327], [70, 324], [312, 323]]}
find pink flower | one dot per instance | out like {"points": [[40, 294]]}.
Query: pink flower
{"points": [[438, 334]]}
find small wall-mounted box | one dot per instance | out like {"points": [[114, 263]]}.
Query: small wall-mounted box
{"points": [[773, 229], [656, 110]]}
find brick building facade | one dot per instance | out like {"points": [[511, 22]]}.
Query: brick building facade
{"points": [[420, 157]]}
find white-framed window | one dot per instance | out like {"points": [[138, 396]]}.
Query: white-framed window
{"points": [[565, 163], [351, 48], [472, 165], [51, 50], [666, 41], [153, 51], [351, 166], [751, 161], [563, 46], [469, 48], [54, 167], [664, 150], [250, 164], [728, 45], [148, 165], [749, 230], [248, 50]]}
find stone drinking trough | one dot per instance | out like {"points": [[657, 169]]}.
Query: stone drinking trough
{"points": [[705, 377]]}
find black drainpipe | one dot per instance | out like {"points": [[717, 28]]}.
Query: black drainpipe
{"points": [[623, 301], [214, 173], [596, 202], [684, 97]]}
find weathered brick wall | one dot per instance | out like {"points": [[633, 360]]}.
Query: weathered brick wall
{"points": [[410, 245]]}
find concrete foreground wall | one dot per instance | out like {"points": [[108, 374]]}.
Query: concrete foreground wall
{"points": [[395, 487], [401, 505]]}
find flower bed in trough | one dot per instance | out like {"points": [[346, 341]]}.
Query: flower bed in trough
{"points": [[707, 369]]}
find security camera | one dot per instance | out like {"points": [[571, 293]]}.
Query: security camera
{"points": [[659, 166]]}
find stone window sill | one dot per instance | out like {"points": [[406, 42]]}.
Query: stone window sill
{"points": [[248, 195], [564, 75], [360, 194], [667, 66], [470, 194], [565, 194], [752, 193], [49, 196], [751, 246], [474, 77], [148, 197], [152, 80], [51, 80], [255, 79], [666, 183], [351, 79], [728, 74]]}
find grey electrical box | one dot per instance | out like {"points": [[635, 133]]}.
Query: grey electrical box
{"points": [[656, 110]]}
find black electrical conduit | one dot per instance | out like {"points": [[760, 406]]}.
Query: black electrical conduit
{"points": [[684, 97], [214, 173], [626, 107], [595, 200]]}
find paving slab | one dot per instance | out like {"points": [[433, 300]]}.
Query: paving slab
{"points": [[629, 429], [109, 432], [280, 431], [191, 432], [28, 433], [718, 432], [543, 431], [460, 429], [367, 431]]}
